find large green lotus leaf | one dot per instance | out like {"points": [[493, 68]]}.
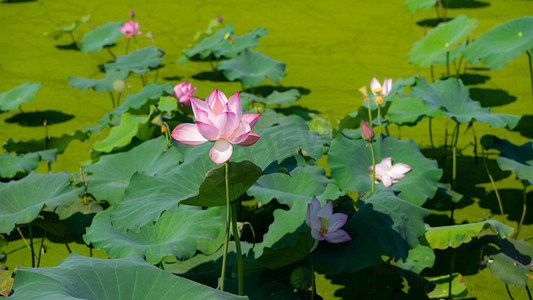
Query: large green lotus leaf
{"points": [[501, 44], [240, 43], [207, 46], [175, 233], [212, 191], [22, 200], [413, 5], [276, 98], [442, 287], [11, 164], [453, 97], [384, 225], [518, 159], [148, 196], [441, 39], [512, 263], [167, 104], [98, 85], [251, 68], [139, 103], [349, 160], [409, 110], [139, 61], [455, 235], [122, 134], [295, 191], [111, 174], [12, 99], [80, 277], [418, 259], [96, 39], [200, 35]]}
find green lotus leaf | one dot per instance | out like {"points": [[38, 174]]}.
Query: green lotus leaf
{"points": [[80, 277], [10, 164], [501, 44], [167, 104], [418, 259], [98, 85], [23, 93], [147, 196], [206, 47], [453, 97], [295, 191], [42, 147], [200, 35], [6, 282], [442, 284], [250, 40], [518, 159], [102, 36], [61, 30], [212, 191], [455, 235], [175, 233], [512, 262], [384, 225], [441, 39], [251, 68], [409, 110], [122, 134], [276, 98], [413, 5], [139, 61], [111, 174], [349, 160], [455, 53], [22, 200]]}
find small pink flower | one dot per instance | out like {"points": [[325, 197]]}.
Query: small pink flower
{"points": [[325, 224], [221, 120], [183, 92], [132, 14], [389, 174], [130, 28], [379, 91], [366, 132]]}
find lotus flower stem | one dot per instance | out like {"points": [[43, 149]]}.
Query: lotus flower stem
{"points": [[493, 185], [379, 120], [455, 139], [136, 44], [226, 241], [508, 291], [142, 80], [370, 116], [30, 230], [23, 238], [528, 292], [111, 53], [72, 36], [313, 283], [447, 64], [431, 138], [156, 75], [524, 209], [530, 70], [373, 167], [66, 245], [237, 245], [41, 248], [452, 264], [127, 46]]}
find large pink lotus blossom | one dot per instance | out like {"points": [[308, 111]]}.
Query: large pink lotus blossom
{"points": [[389, 174], [221, 120], [380, 91], [183, 92], [130, 28], [325, 224]]}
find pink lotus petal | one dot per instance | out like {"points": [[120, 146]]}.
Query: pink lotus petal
{"points": [[188, 133], [221, 151], [251, 119], [326, 211], [217, 101], [337, 236], [336, 221], [240, 134], [315, 233], [398, 170], [234, 105], [387, 180], [250, 140], [208, 131], [227, 123], [375, 85], [312, 210], [202, 111], [387, 86]]}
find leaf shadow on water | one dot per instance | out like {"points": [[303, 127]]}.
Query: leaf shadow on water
{"points": [[524, 126], [453, 4], [71, 46], [37, 118], [491, 97], [265, 90], [431, 22], [211, 76], [173, 78], [471, 79], [512, 203], [17, 1]]}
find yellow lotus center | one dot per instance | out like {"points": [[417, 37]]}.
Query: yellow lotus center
{"points": [[323, 226], [379, 100], [377, 90]]}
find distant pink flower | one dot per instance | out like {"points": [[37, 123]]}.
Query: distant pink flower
{"points": [[389, 174], [380, 91], [366, 132], [130, 28], [183, 92], [132, 14], [325, 224], [221, 120], [219, 18]]}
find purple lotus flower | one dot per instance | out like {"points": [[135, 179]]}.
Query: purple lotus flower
{"points": [[183, 92], [221, 120], [380, 91], [325, 224], [130, 28], [389, 174]]}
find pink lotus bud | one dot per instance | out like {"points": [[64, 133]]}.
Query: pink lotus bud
{"points": [[132, 14], [366, 132], [219, 18]]}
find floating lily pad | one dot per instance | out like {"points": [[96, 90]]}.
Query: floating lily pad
{"points": [[441, 39], [413, 5], [139, 61], [102, 36], [418, 259], [175, 233], [518, 159], [80, 277], [442, 290], [453, 97], [98, 85], [511, 262], [10, 165], [251, 68], [349, 160], [22, 200], [23, 93], [501, 44], [122, 134], [61, 30]]}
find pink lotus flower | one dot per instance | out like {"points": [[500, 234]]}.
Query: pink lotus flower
{"points": [[379, 91], [183, 92], [130, 28], [389, 174], [325, 224], [221, 120]]}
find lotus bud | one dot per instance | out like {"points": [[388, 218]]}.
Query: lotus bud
{"points": [[219, 18], [132, 14], [119, 85], [366, 132]]}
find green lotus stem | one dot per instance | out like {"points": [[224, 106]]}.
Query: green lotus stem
{"points": [[379, 120], [136, 44], [112, 99], [452, 264], [156, 75], [445, 150], [432, 74], [41, 249], [23, 238], [111, 53], [447, 64], [72, 36], [439, 2], [370, 115], [237, 246], [528, 292], [475, 141], [509, 292], [90, 251], [530, 70], [127, 46], [456, 138], [399, 132], [431, 139], [493, 185], [313, 283], [31, 246], [142, 80], [226, 241], [118, 98], [373, 167], [66, 245], [524, 209]]}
